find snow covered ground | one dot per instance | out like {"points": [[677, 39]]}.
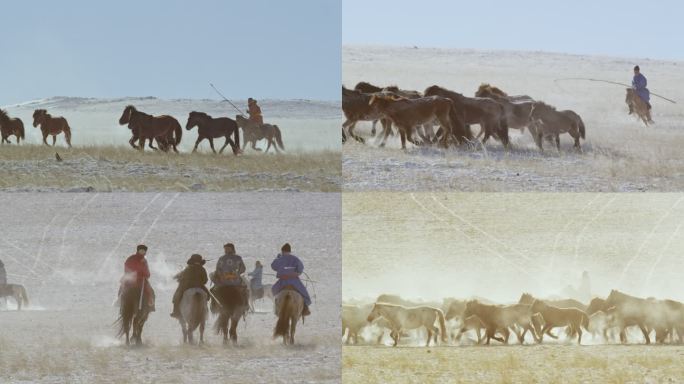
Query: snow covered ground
{"points": [[68, 251], [620, 153]]}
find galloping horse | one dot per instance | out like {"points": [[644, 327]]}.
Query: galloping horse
{"points": [[210, 128], [10, 126], [51, 126], [574, 318], [289, 305], [16, 291], [151, 127], [636, 104], [194, 312], [254, 132], [132, 314], [547, 121], [402, 318], [231, 306]]}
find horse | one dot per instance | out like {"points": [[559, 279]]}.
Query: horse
{"points": [[354, 318], [17, 292], [471, 323], [10, 126], [194, 312], [289, 305], [409, 113], [355, 106], [644, 313], [165, 143], [210, 128], [254, 132], [636, 104], [488, 113], [517, 108], [501, 318], [232, 305], [366, 87], [550, 122], [133, 314], [260, 293], [573, 318], [51, 126], [151, 127], [402, 318]]}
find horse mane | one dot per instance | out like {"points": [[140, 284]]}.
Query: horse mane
{"points": [[131, 107], [392, 88], [367, 86], [543, 104], [492, 89], [3, 115], [200, 114]]}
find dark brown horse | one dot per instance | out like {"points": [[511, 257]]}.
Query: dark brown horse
{"points": [[232, 305], [210, 128], [486, 112], [151, 127], [133, 314], [406, 114], [355, 105], [10, 126], [51, 126], [165, 143]]}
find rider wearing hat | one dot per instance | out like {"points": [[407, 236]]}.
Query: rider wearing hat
{"points": [[288, 267], [639, 84], [193, 276], [254, 111]]}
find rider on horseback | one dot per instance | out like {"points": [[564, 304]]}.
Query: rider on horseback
{"points": [[288, 267], [639, 85], [193, 276], [255, 277], [137, 273], [229, 269], [3, 274], [254, 111]]}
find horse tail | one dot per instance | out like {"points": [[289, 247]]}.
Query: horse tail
{"points": [[126, 311], [580, 125], [20, 125], [278, 137], [283, 318], [67, 130], [442, 324], [221, 323], [236, 134], [178, 131]]}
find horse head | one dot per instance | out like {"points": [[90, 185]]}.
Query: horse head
{"points": [[39, 116], [126, 115], [196, 118]]}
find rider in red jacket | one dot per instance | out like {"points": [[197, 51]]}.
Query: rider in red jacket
{"points": [[136, 272]]}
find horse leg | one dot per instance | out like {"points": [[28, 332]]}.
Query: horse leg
{"points": [[375, 122], [429, 336], [232, 144], [211, 144], [270, 141], [233, 330], [293, 328], [197, 143], [645, 332], [54, 140]]}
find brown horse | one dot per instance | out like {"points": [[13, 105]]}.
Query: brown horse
{"points": [[51, 126], [231, 306], [406, 114], [366, 87], [10, 126], [517, 108], [644, 313], [573, 318], [254, 132], [16, 291], [150, 127], [488, 113], [289, 305], [210, 128], [165, 143], [547, 121], [355, 105], [636, 104], [132, 314]]}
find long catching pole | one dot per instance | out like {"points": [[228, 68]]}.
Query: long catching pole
{"points": [[613, 82], [226, 99]]}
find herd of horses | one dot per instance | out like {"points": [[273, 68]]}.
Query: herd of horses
{"points": [[492, 109], [606, 319], [165, 130]]}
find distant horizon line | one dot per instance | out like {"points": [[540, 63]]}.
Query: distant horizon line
{"points": [[415, 46]]}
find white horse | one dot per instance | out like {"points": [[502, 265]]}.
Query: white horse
{"points": [[194, 312], [263, 293], [401, 318]]}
